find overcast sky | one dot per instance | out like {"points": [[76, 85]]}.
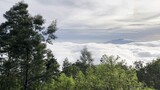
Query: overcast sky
{"points": [[97, 19]]}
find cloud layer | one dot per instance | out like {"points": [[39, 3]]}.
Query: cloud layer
{"points": [[145, 51], [92, 14]]}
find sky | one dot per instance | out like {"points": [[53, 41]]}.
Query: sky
{"points": [[97, 20], [83, 23]]}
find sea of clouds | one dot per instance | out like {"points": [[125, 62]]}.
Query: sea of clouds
{"points": [[130, 52]]}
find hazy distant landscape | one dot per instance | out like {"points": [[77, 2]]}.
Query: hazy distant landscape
{"points": [[142, 34]]}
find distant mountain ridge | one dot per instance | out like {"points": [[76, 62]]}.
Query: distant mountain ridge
{"points": [[120, 41]]}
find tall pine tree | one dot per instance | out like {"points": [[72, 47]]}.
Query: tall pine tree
{"points": [[25, 62]]}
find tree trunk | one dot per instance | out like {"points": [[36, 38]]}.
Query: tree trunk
{"points": [[26, 71]]}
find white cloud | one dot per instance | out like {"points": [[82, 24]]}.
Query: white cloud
{"points": [[145, 51]]}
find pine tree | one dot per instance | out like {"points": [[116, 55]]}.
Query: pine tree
{"points": [[24, 59], [85, 60], [67, 67], [86, 56]]}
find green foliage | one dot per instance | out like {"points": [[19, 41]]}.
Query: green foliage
{"points": [[150, 74], [80, 81], [70, 69], [111, 74], [50, 31], [52, 67], [86, 56], [25, 64], [85, 61], [65, 83]]}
